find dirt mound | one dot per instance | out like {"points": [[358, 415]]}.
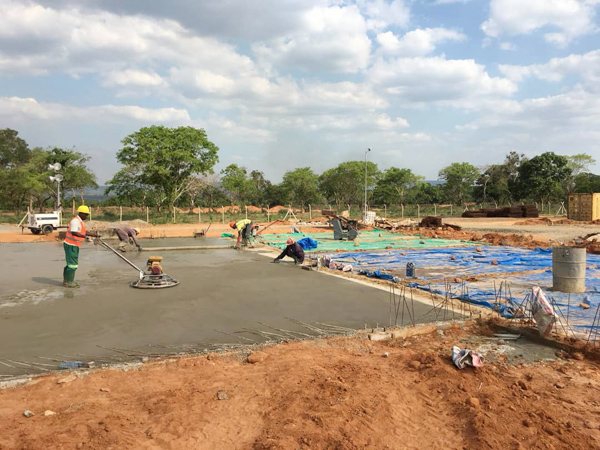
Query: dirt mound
{"points": [[321, 219], [567, 222], [517, 240], [326, 394], [99, 224], [540, 221]]}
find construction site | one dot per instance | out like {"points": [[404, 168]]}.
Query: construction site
{"points": [[449, 333]]}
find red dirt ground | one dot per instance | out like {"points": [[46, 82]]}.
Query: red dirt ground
{"points": [[338, 393]]}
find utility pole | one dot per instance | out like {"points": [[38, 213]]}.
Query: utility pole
{"points": [[366, 208]]}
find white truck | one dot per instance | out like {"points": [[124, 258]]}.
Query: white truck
{"points": [[44, 223]]}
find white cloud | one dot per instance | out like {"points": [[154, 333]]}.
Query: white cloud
{"points": [[133, 78], [562, 123], [509, 46], [417, 42], [382, 14], [332, 39], [447, 2], [231, 19], [38, 40], [436, 80], [17, 108], [586, 67], [571, 18]]}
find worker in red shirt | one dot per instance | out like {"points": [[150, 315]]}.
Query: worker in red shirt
{"points": [[76, 235]]}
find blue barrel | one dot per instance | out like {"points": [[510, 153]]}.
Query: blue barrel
{"points": [[410, 270]]}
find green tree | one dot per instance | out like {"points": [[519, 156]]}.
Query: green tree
{"points": [[543, 177], [14, 151], [212, 194], [127, 188], [394, 186], [236, 183], [30, 181], [276, 194], [460, 178], [579, 164], [425, 193], [165, 158], [76, 175], [260, 186], [587, 183], [302, 186], [345, 184]]}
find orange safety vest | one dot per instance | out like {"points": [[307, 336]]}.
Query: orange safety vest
{"points": [[71, 239]]}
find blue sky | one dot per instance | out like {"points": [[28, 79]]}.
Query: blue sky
{"points": [[280, 84]]}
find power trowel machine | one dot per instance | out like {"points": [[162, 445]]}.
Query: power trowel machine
{"points": [[152, 277]]}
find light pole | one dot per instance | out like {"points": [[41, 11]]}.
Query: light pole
{"points": [[58, 178], [366, 208]]}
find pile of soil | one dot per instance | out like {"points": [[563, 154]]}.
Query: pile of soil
{"points": [[102, 225], [515, 240], [321, 219], [539, 221], [337, 393]]}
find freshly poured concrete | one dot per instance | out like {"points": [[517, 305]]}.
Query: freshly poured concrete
{"points": [[225, 290]]}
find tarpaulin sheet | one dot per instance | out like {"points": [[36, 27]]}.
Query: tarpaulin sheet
{"points": [[515, 288], [366, 240], [437, 263]]}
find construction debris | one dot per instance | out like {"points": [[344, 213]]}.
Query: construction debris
{"points": [[511, 211]]}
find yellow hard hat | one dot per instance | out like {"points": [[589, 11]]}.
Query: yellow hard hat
{"points": [[83, 209], [137, 230]]}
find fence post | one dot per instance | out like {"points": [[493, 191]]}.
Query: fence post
{"points": [[450, 209], [348, 210], [147, 214], [120, 214], [223, 213], [418, 210], [174, 214], [434, 209], [268, 214], [309, 212]]}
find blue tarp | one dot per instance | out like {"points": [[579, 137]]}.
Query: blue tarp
{"points": [[436, 263], [461, 262], [307, 243]]}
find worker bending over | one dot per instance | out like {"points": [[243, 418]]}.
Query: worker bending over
{"points": [[76, 235], [244, 229], [127, 235], [293, 250]]}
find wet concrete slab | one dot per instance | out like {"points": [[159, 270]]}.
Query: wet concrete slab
{"points": [[224, 290]]}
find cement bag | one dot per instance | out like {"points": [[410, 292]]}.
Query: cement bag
{"points": [[542, 311]]}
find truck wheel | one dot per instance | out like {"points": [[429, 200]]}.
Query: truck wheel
{"points": [[47, 229], [35, 231]]}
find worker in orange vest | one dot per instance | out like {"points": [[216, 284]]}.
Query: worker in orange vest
{"points": [[76, 235]]}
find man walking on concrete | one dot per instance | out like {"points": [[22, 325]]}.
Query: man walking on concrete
{"points": [[76, 235], [127, 234]]}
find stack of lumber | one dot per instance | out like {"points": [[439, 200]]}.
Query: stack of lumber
{"points": [[511, 211]]}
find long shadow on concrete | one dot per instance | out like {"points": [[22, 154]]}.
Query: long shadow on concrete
{"points": [[224, 290]]}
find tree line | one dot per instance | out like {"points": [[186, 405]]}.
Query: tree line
{"points": [[167, 167]]}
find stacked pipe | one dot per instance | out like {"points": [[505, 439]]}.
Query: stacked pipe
{"points": [[511, 211]]}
